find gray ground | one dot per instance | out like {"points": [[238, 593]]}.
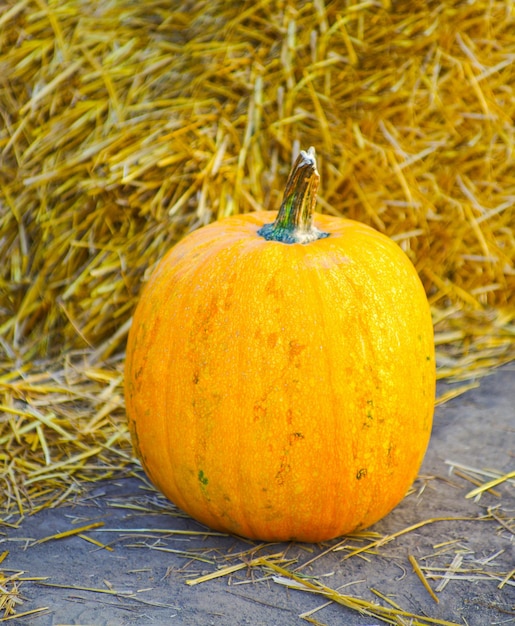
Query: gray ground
{"points": [[149, 563]]}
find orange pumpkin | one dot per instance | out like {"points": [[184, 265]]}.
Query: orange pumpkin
{"points": [[280, 376]]}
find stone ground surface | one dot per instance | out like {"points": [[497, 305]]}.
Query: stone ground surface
{"points": [[141, 580]]}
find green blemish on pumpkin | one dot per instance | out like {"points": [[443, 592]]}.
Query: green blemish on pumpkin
{"points": [[202, 478]]}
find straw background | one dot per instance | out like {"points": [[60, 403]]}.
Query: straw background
{"points": [[124, 125]]}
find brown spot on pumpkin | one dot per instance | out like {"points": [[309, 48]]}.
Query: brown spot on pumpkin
{"points": [[361, 473], [272, 289], [369, 417], [295, 437], [227, 303], [295, 348], [272, 340], [284, 469], [259, 412]]}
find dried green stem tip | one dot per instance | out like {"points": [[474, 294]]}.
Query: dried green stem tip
{"points": [[294, 222]]}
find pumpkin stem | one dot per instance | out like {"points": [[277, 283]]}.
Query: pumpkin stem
{"points": [[294, 222]]}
